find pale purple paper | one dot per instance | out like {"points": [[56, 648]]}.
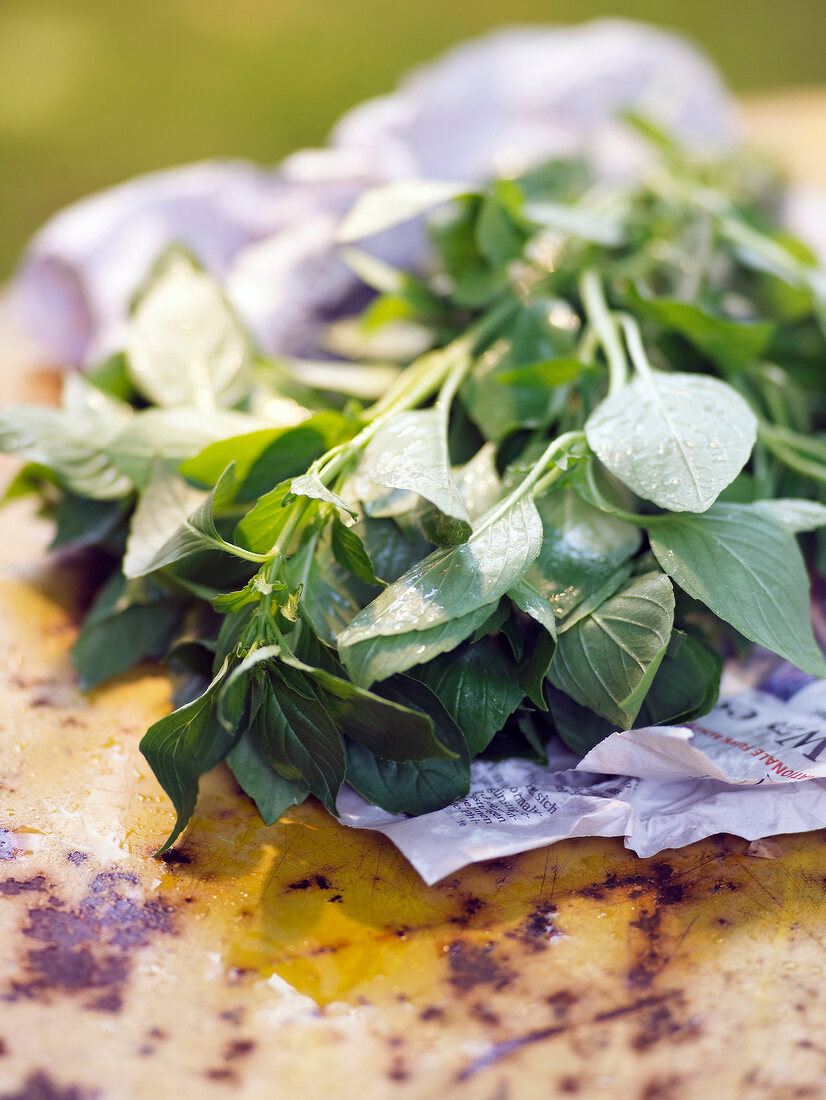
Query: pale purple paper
{"points": [[489, 107]]}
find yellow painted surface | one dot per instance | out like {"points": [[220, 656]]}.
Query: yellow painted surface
{"points": [[308, 960]]}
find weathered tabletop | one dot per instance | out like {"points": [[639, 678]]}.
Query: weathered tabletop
{"points": [[308, 959]]}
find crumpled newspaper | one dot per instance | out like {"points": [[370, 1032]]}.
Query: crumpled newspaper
{"points": [[489, 107], [754, 767]]}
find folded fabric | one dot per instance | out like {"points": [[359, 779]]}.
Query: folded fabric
{"points": [[489, 107]]}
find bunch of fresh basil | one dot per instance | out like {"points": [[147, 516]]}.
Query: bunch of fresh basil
{"points": [[545, 487]]}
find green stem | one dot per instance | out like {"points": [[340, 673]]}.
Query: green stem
{"points": [[636, 348], [600, 317], [530, 486]]}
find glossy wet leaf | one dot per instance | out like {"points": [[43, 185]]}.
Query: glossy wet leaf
{"points": [[606, 662], [444, 593], [675, 439], [409, 452]]}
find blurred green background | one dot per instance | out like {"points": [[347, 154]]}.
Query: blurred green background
{"points": [[93, 91]]}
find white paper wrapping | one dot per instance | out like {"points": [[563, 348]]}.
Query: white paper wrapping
{"points": [[666, 787]]}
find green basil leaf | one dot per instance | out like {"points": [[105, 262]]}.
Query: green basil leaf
{"points": [[478, 687], [383, 207], [72, 446], [170, 436], [675, 439], [272, 794], [350, 553], [184, 745], [608, 659], [84, 521], [406, 787], [795, 516], [266, 457], [331, 596], [163, 507], [687, 683], [732, 345], [447, 589], [196, 532], [295, 734], [382, 656], [128, 623], [409, 452], [184, 343], [748, 570], [581, 547], [387, 729], [311, 486]]}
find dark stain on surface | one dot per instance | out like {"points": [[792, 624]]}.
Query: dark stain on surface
{"points": [[432, 1012], [561, 1003], [238, 1048], [12, 886], [660, 1089], [39, 1086], [538, 928], [88, 948], [471, 966], [174, 855], [222, 1073], [320, 882], [77, 858], [398, 1070]]}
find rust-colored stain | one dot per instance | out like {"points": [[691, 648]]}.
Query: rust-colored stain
{"points": [[309, 959]]}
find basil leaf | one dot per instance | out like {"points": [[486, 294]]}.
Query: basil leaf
{"points": [[72, 447], [196, 532], [331, 596], [687, 683], [748, 570], [184, 745], [608, 659], [387, 729], [447, 589], [413, 786], [478, 688], [128, 623], [410, 452], [170, 436], [311, 486], [163, 507], [262, 525], [392, 550], [349, 552], [184, 343], [272, 794], [732, 345], [383, 207], [294, 733], [406, 787], [675, 439], [384, 655], [795, 516], [84, 521], [581, 546], [268, 456]]}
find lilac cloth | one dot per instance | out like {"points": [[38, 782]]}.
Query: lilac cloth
{"points": [[489, 107]]}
